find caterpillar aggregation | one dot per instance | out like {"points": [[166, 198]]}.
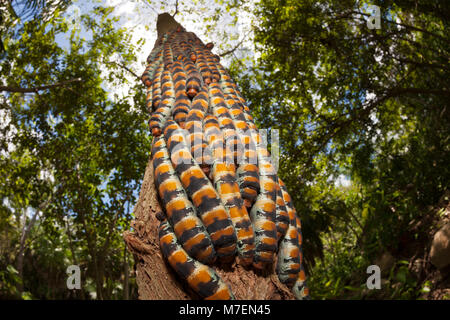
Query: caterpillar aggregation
{"points": [[220, 193]]}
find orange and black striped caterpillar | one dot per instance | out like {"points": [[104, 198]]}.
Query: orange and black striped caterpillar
{"points": [[220, 193]]}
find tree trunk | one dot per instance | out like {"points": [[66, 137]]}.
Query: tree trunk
{"points": [[155, 279]]}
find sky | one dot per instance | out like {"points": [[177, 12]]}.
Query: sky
{"points": [[139, 18]]}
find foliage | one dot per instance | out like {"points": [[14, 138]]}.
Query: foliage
{"points": [[370, 105], [72, 171]]}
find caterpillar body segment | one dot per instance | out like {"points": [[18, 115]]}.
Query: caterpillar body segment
{"points": [[212, 65], [166, 97], [193, 82], [220, 110], [149, 99], [201, 101], [216, 147], [156, 86], [282, 216], [194, 125], [180, 212], [300, 288], [153, 54], [263, 212], [176, 48], [155, 59], [247, 172], [224, 178], [201, 278], [288, 202], [300, 238], [202, 64], [263, 215], [202, 193], [182, 102], [288, 265], [168, 56]]}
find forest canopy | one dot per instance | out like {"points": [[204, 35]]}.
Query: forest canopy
{"points": [[362, 114]]}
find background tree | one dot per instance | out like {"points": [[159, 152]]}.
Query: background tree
{"points": [[71, 170], [371, 105]]}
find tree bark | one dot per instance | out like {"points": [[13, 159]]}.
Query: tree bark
{"points": [[155, 279]]}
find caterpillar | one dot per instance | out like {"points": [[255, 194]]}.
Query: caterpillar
{"points": [[153, 61], [180, 212], [201, 278], [168, 56], [248, 173], [194, 125], [167, 100], [198, 187], [202, 64], [220, 110], [189, 50], [182, 102], [212, 65], [149, 99], [300, 289], [224, 177], [263, 212], [155, 51], [156, 86], [288, 265], [281, 214], [193, 82], [263, 218], [176, 47]]}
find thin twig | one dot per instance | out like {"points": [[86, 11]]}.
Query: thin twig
{"points": [[223, 54], [124, 67], [148, 5], [176, 8]]}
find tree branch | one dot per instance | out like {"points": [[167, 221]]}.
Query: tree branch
{"points": [[125, 68], [37, 89], [223, 54], [148, 5], [176, 8]]}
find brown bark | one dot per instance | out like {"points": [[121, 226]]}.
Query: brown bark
{"points": [[155, 279]]}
